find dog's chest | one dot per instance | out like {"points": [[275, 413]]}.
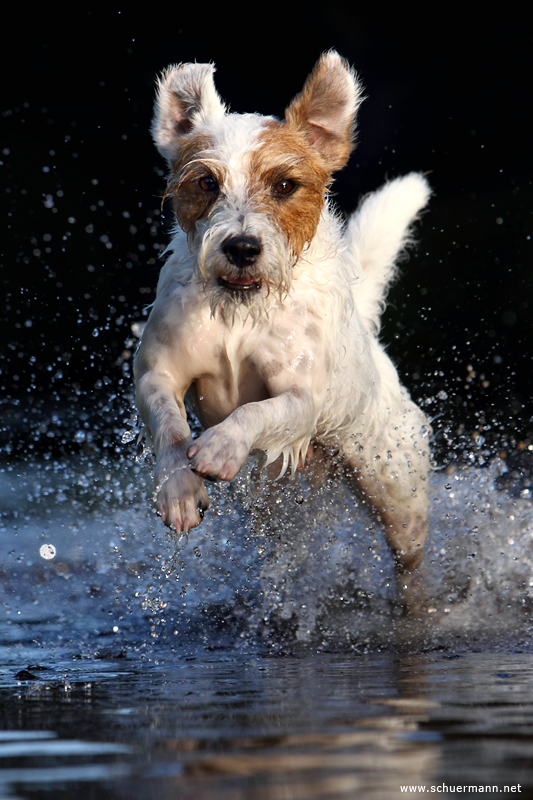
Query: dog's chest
{"points": [[227, 378], [249, 363]]}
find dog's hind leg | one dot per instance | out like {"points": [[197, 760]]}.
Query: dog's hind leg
{"points": [[391, 471]]}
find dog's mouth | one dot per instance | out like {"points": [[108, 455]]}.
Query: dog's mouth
{"points": [[241, 283]]}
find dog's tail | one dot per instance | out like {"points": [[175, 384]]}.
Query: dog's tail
{"points": [[377, 234]]}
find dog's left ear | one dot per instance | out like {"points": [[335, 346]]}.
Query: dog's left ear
{"points": [[325, 109]]}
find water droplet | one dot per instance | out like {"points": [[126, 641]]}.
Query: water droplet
{"points": [[47, 551]]}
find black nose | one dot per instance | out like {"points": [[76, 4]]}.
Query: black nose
{"points": [[242, 251]]}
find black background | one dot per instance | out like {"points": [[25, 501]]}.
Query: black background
{"points": [[82, 225]]}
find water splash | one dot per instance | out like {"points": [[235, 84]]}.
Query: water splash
{"points": [[307, 565]]}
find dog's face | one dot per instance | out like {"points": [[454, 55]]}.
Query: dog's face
{"points": [[248, 190]]}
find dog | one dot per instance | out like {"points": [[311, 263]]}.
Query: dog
{"points": [[268, 306]]}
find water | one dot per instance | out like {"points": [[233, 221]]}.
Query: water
{"points": [[265, 656], [225, 725]]}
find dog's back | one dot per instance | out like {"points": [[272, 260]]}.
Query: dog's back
{"points": [[376, 235]]}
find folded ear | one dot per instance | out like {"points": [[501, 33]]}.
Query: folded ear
{"points": [[186, 95], [325, 109]]}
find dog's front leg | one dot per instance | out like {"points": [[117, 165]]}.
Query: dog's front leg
{"points": [[181, 497], [280, 424]]}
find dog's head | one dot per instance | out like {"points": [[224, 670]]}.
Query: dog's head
{"points": [[248, 190]]}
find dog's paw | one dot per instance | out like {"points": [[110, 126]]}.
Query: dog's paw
{"points": [[182, 500], [219, 453]]}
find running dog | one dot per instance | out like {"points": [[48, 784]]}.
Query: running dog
{"points": [[269, 304]]}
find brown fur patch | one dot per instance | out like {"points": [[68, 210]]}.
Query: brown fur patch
{"points": [[313, 331], [193, 163], [284, 154], [323, 112], [272, 369], [165, 333]]}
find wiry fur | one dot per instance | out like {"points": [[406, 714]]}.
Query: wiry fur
{"points": [[269, 305]]}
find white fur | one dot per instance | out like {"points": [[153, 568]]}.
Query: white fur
{"points": [[377, 233], [298, 362]]}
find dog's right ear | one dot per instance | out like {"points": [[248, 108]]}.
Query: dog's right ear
{"points": [[186, 95]]}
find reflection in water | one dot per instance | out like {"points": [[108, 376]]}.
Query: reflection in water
{"points": [[233, 726]]}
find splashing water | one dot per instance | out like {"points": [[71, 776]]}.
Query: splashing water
{"points": [[311, 566]]}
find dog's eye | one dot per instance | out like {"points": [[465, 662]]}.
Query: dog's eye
{"points": [[284, 187], [208, 184]]}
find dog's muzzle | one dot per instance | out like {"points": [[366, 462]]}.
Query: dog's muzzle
{"points": [[241, 252]]}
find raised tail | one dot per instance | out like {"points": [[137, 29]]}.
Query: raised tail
{"points": [[376, 235]]}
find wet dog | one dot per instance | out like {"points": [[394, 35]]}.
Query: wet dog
{"points": [[269, 304]]}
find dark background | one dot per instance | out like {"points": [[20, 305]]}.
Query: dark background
{"points": [[82, 225]]}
